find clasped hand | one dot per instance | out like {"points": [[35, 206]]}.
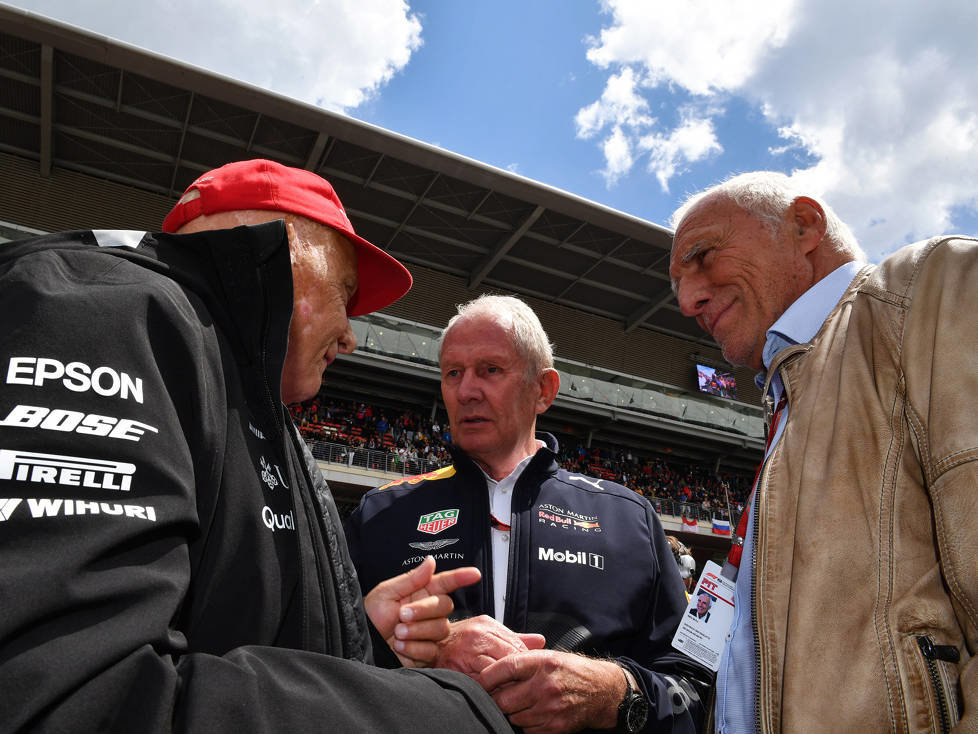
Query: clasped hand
{"points": [[543, 691]]}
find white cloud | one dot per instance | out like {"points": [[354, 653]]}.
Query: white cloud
{"points": [[730, 43], [621, 116], [692, 140], [333, 53], [701, 45], [617, 154], [883, 97], [620, 104]]}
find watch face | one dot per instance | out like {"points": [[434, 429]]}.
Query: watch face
{"points": [[638, 713]]}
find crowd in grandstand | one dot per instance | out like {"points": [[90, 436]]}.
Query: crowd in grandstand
{"points": [[415, 443], [655, 478]]}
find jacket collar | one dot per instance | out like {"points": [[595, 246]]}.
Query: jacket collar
{"points": [[543, 462], [242, 276], [786, 355], [246, 281]]}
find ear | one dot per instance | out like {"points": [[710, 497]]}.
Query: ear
{"points": [[809, 223], [549, 383]]}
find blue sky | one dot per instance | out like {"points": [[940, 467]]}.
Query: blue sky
{"points": [[630, 103], [504, 82], [501, 83]]}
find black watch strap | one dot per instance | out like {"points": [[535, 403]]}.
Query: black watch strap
{"points": [[633, 711]]}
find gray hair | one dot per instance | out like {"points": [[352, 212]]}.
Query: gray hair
{"points": [[766, 195], [529, 338]]}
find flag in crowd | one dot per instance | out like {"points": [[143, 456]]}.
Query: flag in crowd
{"points": [[689, 524], [721, 527]]}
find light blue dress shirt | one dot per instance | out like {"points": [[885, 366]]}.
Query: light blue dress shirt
{"points": [[737, 677]]}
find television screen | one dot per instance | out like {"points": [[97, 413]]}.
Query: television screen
{"points": [[715, 382]]}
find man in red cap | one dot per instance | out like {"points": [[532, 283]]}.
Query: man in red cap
{"points": [[172, 556], [329, 259]]}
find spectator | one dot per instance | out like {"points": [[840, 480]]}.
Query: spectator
{"points": [[684, 562]]}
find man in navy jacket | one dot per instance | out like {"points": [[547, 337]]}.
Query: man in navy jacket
{"points": [[581, 561]]}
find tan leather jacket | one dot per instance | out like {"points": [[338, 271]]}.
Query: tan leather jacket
{"points": [[867, 519]]}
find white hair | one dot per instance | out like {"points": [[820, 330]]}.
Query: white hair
{"points": [[525, 329], [766, 195]]}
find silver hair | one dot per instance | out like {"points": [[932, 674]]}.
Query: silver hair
{"points": [[766, 195], [529, 338]]}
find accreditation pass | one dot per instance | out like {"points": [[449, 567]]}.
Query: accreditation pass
{"points": [[706, 622]]}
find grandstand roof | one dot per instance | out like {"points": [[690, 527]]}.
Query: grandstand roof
{"points": [[77, 101], [95, 132]]}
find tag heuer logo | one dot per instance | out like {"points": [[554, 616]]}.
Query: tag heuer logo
{"points": [[435, 522]]}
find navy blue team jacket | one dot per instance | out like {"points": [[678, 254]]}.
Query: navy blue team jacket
{"points": [[589, 566]]}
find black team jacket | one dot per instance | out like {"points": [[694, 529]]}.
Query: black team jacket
{"points": [[172, 558], [589, 567]]}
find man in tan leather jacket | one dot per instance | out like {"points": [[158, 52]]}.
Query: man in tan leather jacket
{"points": [[858, 592]]}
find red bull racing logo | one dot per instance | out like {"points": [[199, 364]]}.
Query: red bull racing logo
{"points": [[435, 522]]}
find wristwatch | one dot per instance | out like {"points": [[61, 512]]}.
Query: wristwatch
{"points": [[633, 711]]}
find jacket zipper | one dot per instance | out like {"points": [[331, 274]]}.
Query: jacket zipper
{"points": [[293, 457], [755, 534], [777, 367], [753, 605], [933, 653], [270, 402], [489, 579], [509, 610]]}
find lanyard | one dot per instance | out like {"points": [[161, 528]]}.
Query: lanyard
{"points": [[737, 549]]}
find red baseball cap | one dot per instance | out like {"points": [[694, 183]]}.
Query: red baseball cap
{"points": [[267, 185]]}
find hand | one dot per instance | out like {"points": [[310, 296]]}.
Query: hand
{"points": [[474, 643], [551, 692], [411, 610]]}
